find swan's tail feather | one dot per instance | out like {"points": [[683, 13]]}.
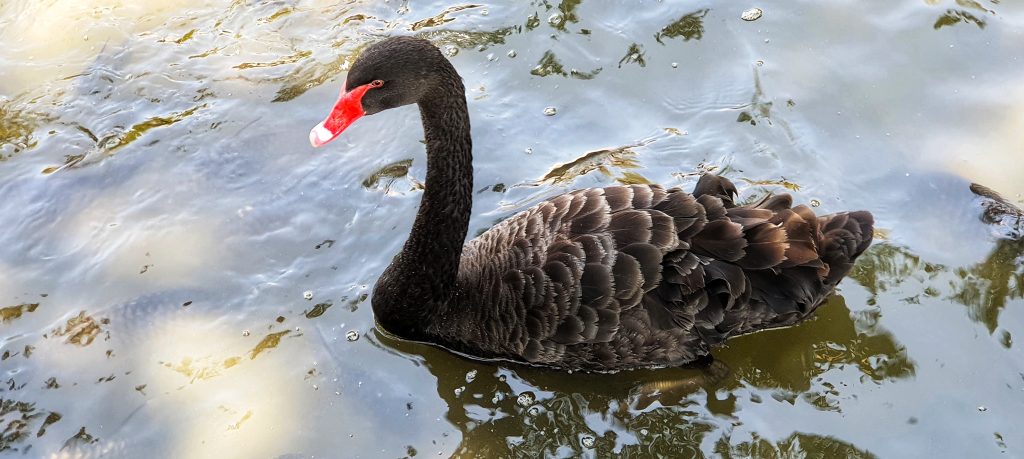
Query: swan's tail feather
{"points": [[790, 260], [713, 185], [770, 234], [844, 237]]}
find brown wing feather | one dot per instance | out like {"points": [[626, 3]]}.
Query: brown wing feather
{"points": [[632, 276]]}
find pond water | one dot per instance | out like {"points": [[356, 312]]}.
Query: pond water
{"points": [[182, 275]]}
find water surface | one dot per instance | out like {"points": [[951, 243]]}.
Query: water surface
{"points": [[182, 275]]}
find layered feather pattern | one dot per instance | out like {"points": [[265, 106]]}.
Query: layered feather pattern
{"points": [[640, 276]]}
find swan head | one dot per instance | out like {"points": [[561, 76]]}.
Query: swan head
{"points": [[391, 73]]}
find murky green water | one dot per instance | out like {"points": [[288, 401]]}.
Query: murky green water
{"points": [[163, 216]]}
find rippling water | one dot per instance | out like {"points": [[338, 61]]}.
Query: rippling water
{"points": [[164, 221]]}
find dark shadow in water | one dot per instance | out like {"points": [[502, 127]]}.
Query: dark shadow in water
{"points": [[797, 445], [467, 39], [311, 73], [441, 18], [689, 27], [505, 409], [386, 176], [550, 65], [760, 107], [954, 16], [984, 288], [566, 14], [634, 55]]}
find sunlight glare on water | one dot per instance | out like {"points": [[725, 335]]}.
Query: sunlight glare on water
{"points": [[182, 275]]}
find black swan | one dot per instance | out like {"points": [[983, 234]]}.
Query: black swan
{"points": [[599, 279]]}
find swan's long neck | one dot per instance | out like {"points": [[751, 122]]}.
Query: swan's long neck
{"points": [[435, 244], [423, 275]]}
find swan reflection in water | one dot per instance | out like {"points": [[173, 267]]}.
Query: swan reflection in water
{"points": [[504, 407]]}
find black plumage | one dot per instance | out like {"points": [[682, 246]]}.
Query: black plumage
{"points": [[598, 279]]}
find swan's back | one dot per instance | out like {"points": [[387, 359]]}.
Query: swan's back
{"points": [[636, 276]]}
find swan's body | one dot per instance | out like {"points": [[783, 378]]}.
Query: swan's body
{"points": [[598, 279]]}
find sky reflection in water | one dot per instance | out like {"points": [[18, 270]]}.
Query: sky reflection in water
{"points": [[164, 217]]}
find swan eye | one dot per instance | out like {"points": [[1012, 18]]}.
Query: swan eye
{"points": [[376, 83]]}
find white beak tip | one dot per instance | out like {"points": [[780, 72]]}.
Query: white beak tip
{"points": [[319, 135]]}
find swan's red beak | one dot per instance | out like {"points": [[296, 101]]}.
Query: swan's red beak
{"points": [[346, 111]]}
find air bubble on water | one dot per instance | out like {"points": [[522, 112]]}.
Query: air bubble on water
{"points": [[815, 203], [308, 294], [245, 332], [526, 399], [533, 411], [491, 57], [982, 408], [352, 335], [675, 65], [550, 111], [484, 12], [459, 390], [451, 50], [528, 151], [555, 19], [759, 63], [588, 441], [767, 40], [752, 14], [470, 376], [502, 378], [512, 53], [643, 432]]}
